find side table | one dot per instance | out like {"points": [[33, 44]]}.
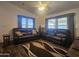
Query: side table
{"points": [[6, 39]]}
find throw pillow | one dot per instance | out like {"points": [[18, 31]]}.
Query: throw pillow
{"points": [[19, 33], [34, 32]]}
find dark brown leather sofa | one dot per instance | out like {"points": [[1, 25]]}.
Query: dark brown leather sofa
{"points": [[26, 36], [58, 36]]}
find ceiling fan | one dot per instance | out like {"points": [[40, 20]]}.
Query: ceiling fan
{"points": [[41, 6]]}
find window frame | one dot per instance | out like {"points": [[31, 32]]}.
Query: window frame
{"points": [[52, 25], [62, 25], [56, 17], [20, 20]]}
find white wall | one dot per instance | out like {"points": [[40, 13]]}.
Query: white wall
{"points": [[8, 17], [76, 19], [40, 21]]}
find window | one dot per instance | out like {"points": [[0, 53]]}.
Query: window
{"points": [[57, 23], [25, 22], [62, 23], [51, 23], [30, 23]]}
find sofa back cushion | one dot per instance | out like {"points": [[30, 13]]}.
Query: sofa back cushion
{"points": [[22, 31], [51, 31], [64, 31]]}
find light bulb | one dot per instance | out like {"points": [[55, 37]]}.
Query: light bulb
{"points": [[41, 8]]}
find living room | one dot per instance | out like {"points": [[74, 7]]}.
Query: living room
{"points": [[43, 20]]}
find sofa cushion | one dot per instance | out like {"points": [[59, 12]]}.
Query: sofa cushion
{"points": [[26, 33], [57, 38], [61, 35], [18, 33]]}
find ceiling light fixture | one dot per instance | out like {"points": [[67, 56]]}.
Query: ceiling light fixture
{"points": [[41, 6]]}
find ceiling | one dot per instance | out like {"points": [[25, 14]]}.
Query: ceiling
{"points": [[53, 6]]}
